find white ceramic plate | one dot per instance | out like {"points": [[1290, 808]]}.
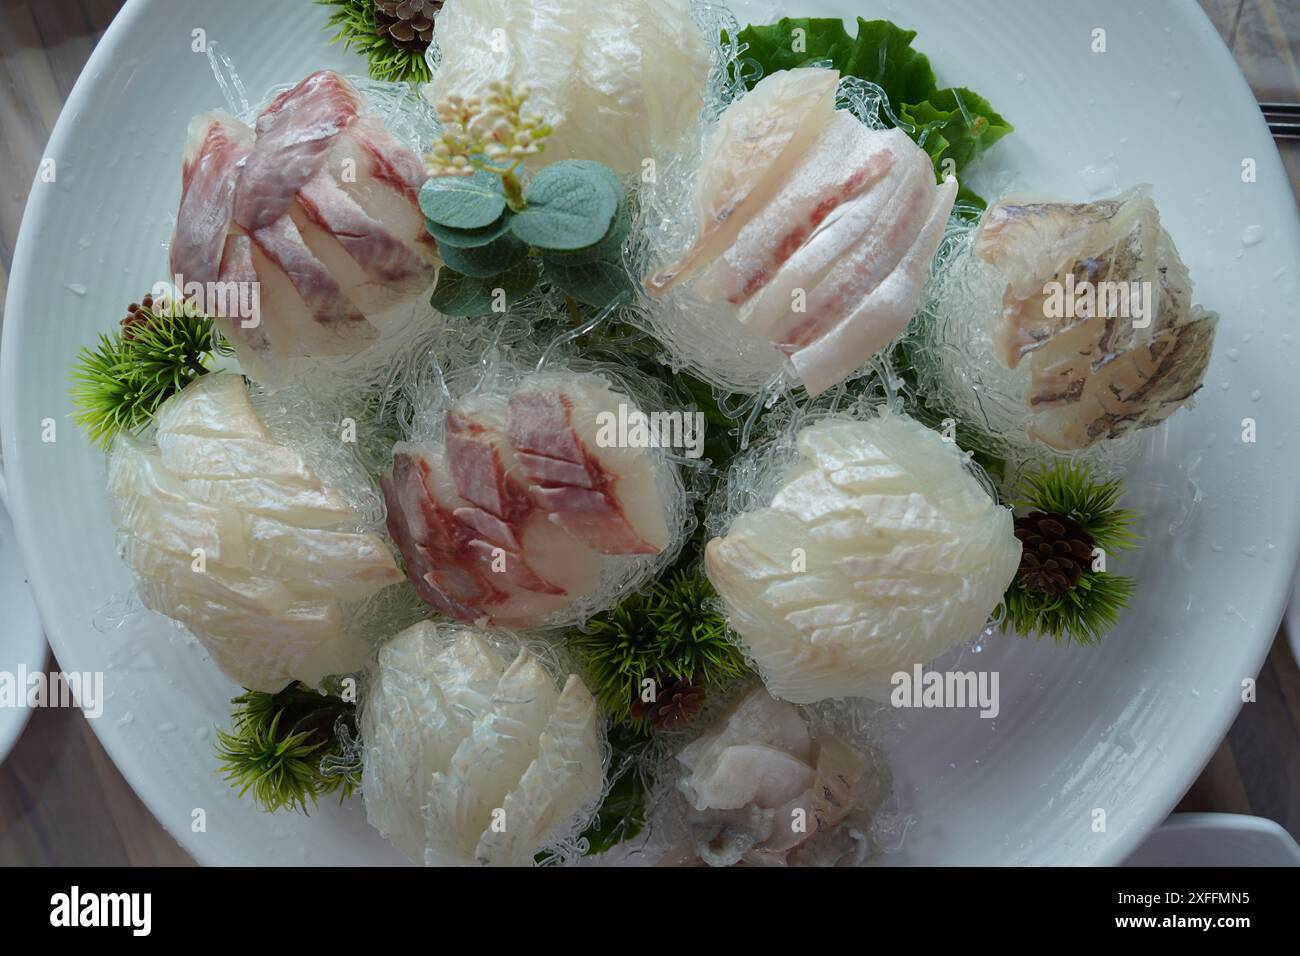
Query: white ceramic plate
{"points": [[1120, 729], [22, 643]]}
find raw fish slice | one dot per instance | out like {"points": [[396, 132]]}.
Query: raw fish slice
{"points": [[487, 763], [294, 134], [845, 161], [884, 313], [747, 774], [242, 321], [319, 562], [194, 456], [757, 716], [428, 689], [569, 476], [537, 808], [217, 144], [1139, 388], [338, 327], [384, 259], [481, 466], [288, 501], [251, 592], [432, 540], [758, 139], [150, 504], [262, 651], [383, 177], [862, 242]]}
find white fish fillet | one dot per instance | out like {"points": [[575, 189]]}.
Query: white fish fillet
{"points": [[619, 80], [879, 551], [233, 535], [473, 759]]}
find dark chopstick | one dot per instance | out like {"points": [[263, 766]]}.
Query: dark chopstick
{"points": [[1283, 119]]}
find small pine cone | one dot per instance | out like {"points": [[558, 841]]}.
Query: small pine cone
{"points": [[137, 315], [1056, 552], [676, 702], [408, 23]]}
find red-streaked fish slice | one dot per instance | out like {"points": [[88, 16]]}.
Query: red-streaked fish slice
{"points": [[217, 145], [294, 135], [383, 177], [570, 480], [845, 161], [382, 257]]}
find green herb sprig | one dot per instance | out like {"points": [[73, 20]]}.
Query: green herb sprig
{"points": [[671, 630], [160, 348], [357, 29], [1092, 607], [281, 745]]}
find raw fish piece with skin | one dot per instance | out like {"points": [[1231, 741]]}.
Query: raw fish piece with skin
{"points": [[215, 147], [294, 134], [458, 732], [1098, 370], [509, 520], [905, 556], [266, 601]]}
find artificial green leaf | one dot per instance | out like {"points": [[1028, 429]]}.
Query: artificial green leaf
{"points": [[462, 295], [463, 202], [570, 205], [480, 262], [468, 238], [959, 125], [610, 247], [596, 283]]}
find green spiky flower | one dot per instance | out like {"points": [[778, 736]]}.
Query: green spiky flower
{"points": [[669, 631], [285, 749], [357, 27], [159, 349], [1089, 608]]}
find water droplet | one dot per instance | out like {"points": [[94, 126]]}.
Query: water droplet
{"points": [[126, 720], [76, 288], [1252, 235]]}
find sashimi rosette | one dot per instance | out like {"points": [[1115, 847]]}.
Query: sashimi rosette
{"points": [[525, 501], [480, 749], [808, 234], [873, 549], [232, 532]]}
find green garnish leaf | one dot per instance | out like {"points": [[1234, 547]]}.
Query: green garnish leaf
{"points": [[461, 295], [595, 283], [481, 262], [570, 205], [463, 202], [610, 247], [468, 238], [358, 29], [958, 125]]}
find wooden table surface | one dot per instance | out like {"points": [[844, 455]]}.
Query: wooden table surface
{"points": [[61, 799]]}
